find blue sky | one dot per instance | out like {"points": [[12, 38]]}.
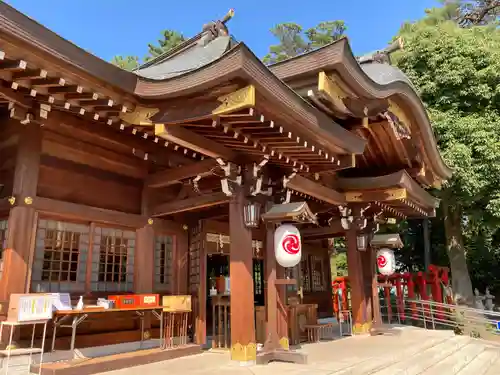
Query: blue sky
{"points": [[125, 27]]}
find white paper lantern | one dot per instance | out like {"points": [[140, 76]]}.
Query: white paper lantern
{"points": [[386, 262], [287, 245]]}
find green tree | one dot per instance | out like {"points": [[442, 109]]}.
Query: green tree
{"points": [[293, 40], [457, 71], [126, 62], [170, 39]]}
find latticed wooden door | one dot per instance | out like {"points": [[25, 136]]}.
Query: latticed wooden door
{"points": [[197, 282]]}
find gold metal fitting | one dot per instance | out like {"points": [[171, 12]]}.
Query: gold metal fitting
{"points": [[28, 200], [150, 221]]}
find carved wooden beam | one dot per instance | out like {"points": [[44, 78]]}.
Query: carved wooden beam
{"points": [[240, 99], [384, 195], [193, 141], [190, 204], [330, 90], [313, 189], [333, 230], [176, 175]]}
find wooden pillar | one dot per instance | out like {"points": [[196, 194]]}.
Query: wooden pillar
{"points": [[22, 218], [243, 347], [276, 314], [377, 318], [355, 272], [368, 271], [144, 258], [181, 262]]}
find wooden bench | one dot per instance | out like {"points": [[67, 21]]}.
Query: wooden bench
{"points": [[316, 331]]}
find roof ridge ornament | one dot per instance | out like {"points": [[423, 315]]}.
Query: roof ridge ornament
{"points": [[214, 29], [382, 56]]}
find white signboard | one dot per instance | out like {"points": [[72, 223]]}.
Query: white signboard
{"points": [[34, 307]]}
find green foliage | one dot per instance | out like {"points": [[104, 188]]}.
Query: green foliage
{"points": [[127, 63], [457, 73], [293, 40], [170, 39]]}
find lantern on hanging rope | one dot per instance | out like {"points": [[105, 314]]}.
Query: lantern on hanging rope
{"points": [[287, 245], [386, 262]]}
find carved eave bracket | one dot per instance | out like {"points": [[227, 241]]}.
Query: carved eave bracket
{"points": [[296, 212], [240, 99], [232, 177], [140, 116]]}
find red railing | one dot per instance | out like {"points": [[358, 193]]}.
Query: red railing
{"points": [[408, 286]]}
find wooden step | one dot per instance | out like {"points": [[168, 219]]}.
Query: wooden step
{"points": [[482, 363], [457, 361], [416, 365]]}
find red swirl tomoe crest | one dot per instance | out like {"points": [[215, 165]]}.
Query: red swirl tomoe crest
{"points": [[381, 261], [291, 244]]}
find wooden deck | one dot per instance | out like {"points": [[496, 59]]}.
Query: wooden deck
{"points": [[414, 352]]}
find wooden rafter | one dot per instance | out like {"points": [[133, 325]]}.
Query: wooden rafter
{"points": [[176, 175], [315, 190], [193, 141], [190, 204]]}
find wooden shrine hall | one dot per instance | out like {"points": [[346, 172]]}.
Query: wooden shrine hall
{"points": [[159, 180]]}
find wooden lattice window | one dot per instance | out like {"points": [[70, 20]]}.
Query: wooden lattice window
{"points": [[195, 243], [3, 243], [164, 247], [317, 274], [257, 277], [305, 274], [112, 260], [60, 257]]}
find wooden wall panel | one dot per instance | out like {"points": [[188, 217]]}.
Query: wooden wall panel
{"points": [[9, 138], [87, 189], [67, 148]]}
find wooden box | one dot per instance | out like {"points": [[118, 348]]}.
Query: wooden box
{"points": [[149, 300], [176, 303], [127, 301], [30, 307]]}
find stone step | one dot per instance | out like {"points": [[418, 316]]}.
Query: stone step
{"points": [[482, 363], [452, 364], [415, 365]]}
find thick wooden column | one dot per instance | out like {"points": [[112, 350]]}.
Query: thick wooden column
{"points": [[243, 347], [355, 272], [377, 317], [22, 218], [144, 257], [181, 262], [276, 314], [368, 273]]}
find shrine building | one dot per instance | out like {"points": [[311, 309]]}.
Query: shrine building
{"points": [[172, 178]]}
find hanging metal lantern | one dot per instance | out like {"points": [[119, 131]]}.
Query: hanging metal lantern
{"points": [[251, 214], [362, 241]]}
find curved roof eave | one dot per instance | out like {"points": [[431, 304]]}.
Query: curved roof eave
{"points": [[400, 179], [22, 30], [240, 62], [338, 56]]}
